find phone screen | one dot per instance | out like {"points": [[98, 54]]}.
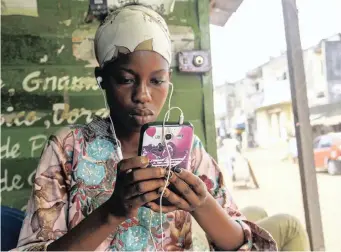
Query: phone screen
{"points": [[178, 139]]}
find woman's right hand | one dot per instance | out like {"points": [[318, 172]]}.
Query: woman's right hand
{"points": [[135, 186]]}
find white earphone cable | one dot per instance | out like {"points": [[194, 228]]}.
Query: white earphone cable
{"points": [[170, 99], [165, 119], [169, 163], [119, 153]]}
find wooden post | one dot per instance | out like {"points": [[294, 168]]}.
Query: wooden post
{"points": [[302, 126]]}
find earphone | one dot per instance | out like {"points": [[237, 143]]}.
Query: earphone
{"points": [[118, 148], [165, 119], [117, 142], [99, 81]]}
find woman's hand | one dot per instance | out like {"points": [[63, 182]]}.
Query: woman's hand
{"points": [[135, 186], [191, 192]]}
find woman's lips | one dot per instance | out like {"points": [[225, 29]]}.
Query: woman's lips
{"points": [[142, 112], [142, 116], [142, 119]]}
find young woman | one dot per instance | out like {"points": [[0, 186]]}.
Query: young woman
{"points": [[94, 193]]}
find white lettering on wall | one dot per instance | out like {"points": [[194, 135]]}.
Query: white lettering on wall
{"points": [[37, 143], [20, 118], [8, 151], [31, 177], [2, 84], [8, 186], [30, 83], [34, 82], [24, 208], [62, 112]]}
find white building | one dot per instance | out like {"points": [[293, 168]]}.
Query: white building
{"points": [[264, 94]]}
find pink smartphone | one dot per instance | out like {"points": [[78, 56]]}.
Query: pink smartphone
{"points": [[179, 140]]}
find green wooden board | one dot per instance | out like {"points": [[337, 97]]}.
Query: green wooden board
{"points": [[40, 73]]}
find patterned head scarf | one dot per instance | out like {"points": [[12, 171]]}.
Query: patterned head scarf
{"points": [[129, 29]]}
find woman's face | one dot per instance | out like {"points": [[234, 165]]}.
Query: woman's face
{"points": [[136, 88]]}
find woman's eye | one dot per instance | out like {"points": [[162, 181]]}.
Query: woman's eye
{"points": [[156, 81], [123, 80]]}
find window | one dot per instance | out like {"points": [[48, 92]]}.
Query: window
{"points": [[325, 142], [282, 76]]}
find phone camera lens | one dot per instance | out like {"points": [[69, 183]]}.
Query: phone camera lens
{"points": [[168, 136]]}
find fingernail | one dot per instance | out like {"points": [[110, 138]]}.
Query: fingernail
{"points": [[144, 160], [160, 190], [177, 169], [170, 174]]}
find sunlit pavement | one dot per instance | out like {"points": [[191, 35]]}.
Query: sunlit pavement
{"points": [[280, 192]]}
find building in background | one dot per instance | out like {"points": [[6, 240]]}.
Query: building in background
{"points": [[264, 96], [326, 115]]}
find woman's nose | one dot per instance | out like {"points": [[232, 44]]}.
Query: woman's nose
{"points": [[142, 93]]}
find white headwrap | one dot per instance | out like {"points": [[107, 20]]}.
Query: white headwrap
{"points": [[132, 28]]}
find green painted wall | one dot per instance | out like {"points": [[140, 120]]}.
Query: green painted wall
{"points": [[39, 70]]}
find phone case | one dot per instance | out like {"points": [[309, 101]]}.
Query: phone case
{"points": [[179, 145]]}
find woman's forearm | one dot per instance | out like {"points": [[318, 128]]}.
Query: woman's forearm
{"points": [[222, 230], [89, 233]]}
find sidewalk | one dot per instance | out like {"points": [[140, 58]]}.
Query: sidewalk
{"points": [[280, 191]]}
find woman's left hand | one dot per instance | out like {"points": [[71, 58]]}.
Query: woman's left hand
{"points": [[192, 192]]}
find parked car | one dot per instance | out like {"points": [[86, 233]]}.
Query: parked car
{"points": [[327, 153]]}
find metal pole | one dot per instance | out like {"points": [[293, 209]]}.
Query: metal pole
{"points": [[302, 126]]}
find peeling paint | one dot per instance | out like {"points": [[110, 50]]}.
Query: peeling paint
{"points": [[44, 59], [164, 7], [66, 22], [183, 39], [59, 51], [19, 7]]}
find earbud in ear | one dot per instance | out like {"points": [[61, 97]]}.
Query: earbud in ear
{"points": [[98, 74], [99, 81]]}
